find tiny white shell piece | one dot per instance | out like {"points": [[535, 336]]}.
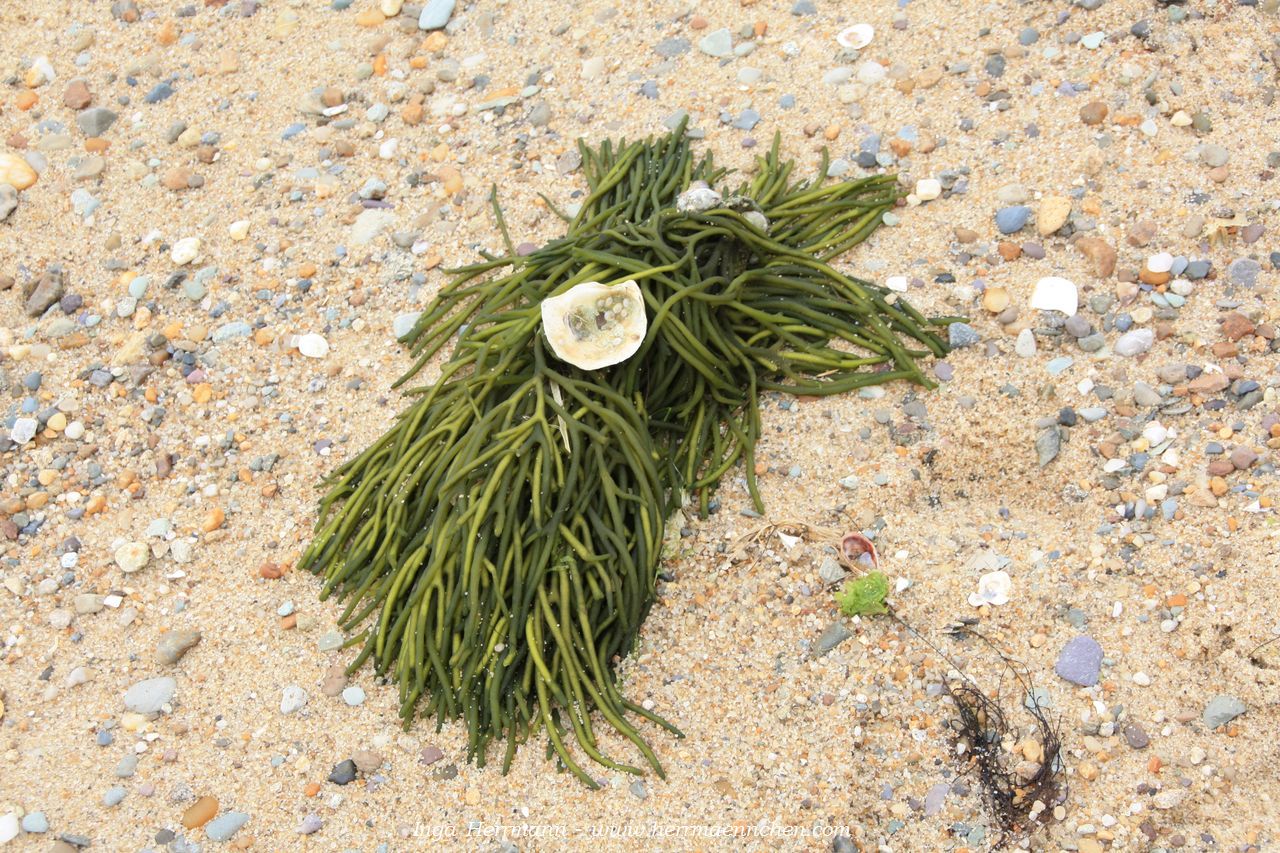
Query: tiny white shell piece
{"points": [[1053, 293], [856, 37], [993, 588], [592, 325]]}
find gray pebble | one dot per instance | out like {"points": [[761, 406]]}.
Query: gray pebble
{"points": [[1010, 220], [435, 14], [717, 43], [95, 121], [962, 335], [835, 634], [1080, 661], [174, 644], [1221, 710], [150, 695], [113, 796], [224, 826]]}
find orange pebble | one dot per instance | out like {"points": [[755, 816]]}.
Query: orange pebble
{"points": [[26, 100]]}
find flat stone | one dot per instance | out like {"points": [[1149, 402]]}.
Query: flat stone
{"points": [[132, 557], [717, 43], [96, 121], [48, 289], [961, 335], [835, 634], [1080, 661], [435, 14], [150, 695], [1011, 220], [224, 826], [1134, 342], [1052, 214], [8, 201], [174, 644], [1221, 710], [1048, 444]]}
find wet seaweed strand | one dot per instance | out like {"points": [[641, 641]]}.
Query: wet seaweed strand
{"points": [[498, 547]]}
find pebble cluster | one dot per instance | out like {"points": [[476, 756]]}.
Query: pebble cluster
{"points": [[217, 217]]}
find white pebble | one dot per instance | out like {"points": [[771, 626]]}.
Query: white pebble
{"points": [[238, 229], [132, 557], [391, 8], [292, 699], [313, 346], [927, 189], [1054, 293], [74, 430], [896, 283], [871, 73], [1142, 679], [387, 150], [185, 251], [1160, 262], [1025, 344], [24, 429]]}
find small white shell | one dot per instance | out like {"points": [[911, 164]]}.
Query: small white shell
{"points": [[993, 588], [697, 198], [856, 37], [1053, 293], [593, 325]]}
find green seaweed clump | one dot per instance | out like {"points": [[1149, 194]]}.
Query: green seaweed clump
{"points": [[864, 596]]}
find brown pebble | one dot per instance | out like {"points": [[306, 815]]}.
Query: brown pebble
{"points": [[1009, 251], [1219, 174], [1142, 233], [1093, 112], [271, 571], [1235, 326], [177, 178], [77, 95], [1100, 253], [201, 812], [966, 235], [331, 97]]}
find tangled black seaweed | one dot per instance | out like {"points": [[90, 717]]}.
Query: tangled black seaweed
{"points": [[1016, 801], [498, 548]]}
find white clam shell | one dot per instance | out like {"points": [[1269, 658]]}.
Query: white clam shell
{"points": [[856, 37], [593, 325], [1053, 293]]}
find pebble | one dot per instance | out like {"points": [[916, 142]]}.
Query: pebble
{"points": [[834, 634], [1053, 293], [96, 121], [927, 189], [114, 796], [16, 172], [173, 645], [353, 696], [313, 345], [185, 251], [132, 557], [1048, 445], [435, 14], [1080, 661], [1134, 342], [8, 201], [718, 43], [34, 822], [961, 335], [150, 695], [344, 772], [9, 827], [225, 826], [1011, 220], [1221, 710], [292, 699], [1052, 214], [311, 824]]}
